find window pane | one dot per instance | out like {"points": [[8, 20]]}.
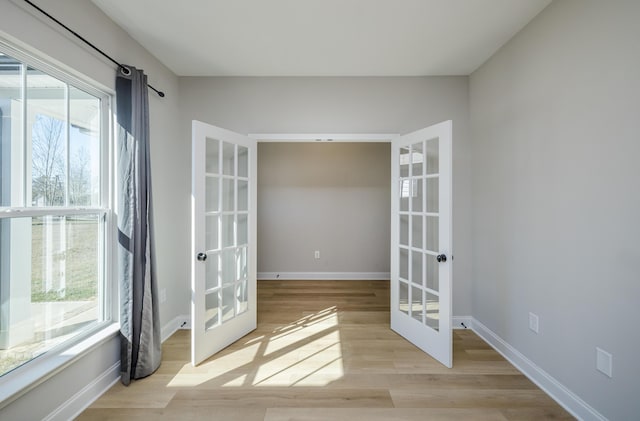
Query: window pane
{"points": [[50, 283], [228, 303], [404, 162], [211, 232], [416, 231], [417, 159], [433, 274], [433, 156], [84, 148], [212, 271], [242, 297], [11, 141], [433, 195], [416, 303], [416, 267], [227, 195], [404, 263], [432, 233], [212, 310], [433, 311], [228, 161], [213, 156], [226, 233], [404, 230], [243, 230], [243, 161], [211, 193], [242, 263], [243, 195], [47, 131], [228, 267], [403, 305]]}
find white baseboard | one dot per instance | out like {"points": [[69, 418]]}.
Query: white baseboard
{"points": [[329, 276], [179, 322], [462, 322], [565, 397], [86, 396]]}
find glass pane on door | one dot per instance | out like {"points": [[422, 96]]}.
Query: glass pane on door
{"points": [[417, 159], [212, 272], [212, 310], [432, 194], [404, 298], [228, 158], [243, 161], [432, 311], [211, 234], [404, 230], [404, 264], [433, 158], [212, 163], [404, 162], [243, 195], [227, 230], [211, 191], [228, 303], [417, 303], [242, 297], [228, 196], [419, 229], [432, 272]]}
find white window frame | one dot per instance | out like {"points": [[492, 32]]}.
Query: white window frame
{"points": [[37, 370]]}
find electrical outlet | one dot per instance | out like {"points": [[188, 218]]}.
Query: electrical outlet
{"points": [[163, 295], [604, 362], [317, 254], [533, 322]]}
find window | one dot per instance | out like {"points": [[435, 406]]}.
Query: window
{"points": [[54, 210]]}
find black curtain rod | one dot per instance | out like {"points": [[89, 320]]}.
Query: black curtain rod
{"points": [[122, 68]]}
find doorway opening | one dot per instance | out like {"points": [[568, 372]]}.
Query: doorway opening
{"points": [[323, 207]]}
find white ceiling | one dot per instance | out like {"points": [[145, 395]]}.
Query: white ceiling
{"points": [[322, 37]]}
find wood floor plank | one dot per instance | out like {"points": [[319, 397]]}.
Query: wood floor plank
{"points": [[174, 414], [323, 350], [283, 398], [550, 413], [470, 398], [395, 414]]}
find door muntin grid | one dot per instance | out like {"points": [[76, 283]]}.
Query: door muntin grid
{"points": [[226, 231], [418, 241]]}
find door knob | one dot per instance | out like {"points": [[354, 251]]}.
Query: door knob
{"points": [[202, 257], [441, 258]]}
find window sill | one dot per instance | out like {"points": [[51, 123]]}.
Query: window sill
{"points": [[24, 378]]}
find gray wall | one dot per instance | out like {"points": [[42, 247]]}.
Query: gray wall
{"points": [[556, 143], [330, 197], [19, 24], [345, 105]]}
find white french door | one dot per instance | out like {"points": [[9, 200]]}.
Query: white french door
{"points": [[223, 269], [421, 239]]}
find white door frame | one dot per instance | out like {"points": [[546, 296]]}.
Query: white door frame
{"points": [[324, 137]]}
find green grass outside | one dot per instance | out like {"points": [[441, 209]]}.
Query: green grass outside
{"points": [[80, 259]]}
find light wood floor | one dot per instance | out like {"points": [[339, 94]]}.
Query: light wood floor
{"points": [[323, 350]]}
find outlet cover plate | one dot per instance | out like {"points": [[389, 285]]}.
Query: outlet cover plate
{"points": [[534, 322], [604, 362]]}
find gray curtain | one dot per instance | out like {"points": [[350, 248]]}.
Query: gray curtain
{"points": [[140, 349]]}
